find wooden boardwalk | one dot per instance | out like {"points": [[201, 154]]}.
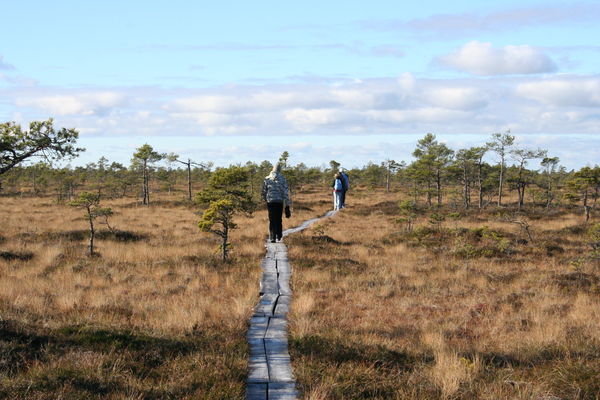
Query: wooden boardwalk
{"points": [[270, 375]]}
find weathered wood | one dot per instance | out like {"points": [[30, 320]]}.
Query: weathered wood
{"points": [[269, 284], [256, 391], [280, 370], [276, 349], [269, 265], [258, 327], [283, 306], [282, 391], [257, 348], [259, 370], [283, 266], [283, 284], [277, 328]]}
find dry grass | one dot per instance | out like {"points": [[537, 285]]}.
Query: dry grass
{"points": [[381, 313], [156, 315], [470, 309]]}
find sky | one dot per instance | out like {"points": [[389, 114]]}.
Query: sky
{"points": [[354, 81]]}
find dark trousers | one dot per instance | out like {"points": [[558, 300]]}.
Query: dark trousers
{"points": [[275, 225], [343, 198]]}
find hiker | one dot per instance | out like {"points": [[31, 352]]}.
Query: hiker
{"points": [[275, 193], [346, 184], [338, 189]]}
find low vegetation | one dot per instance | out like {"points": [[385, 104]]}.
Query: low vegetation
{"points": [[155, 315], [464, 305]]}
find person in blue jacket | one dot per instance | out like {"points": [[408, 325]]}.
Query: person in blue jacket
{"points": [[346, 186]]}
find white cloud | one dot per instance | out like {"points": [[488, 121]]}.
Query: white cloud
{"points": [[73, 104], [563, 92], [307, 120], [403, 105], [483, 59], [458, 98]]}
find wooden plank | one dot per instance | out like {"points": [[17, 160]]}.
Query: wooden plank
{"points": [[266, 305], [280, 370], [283, 306], [283, 282], [257, 348], [258, 328], [275, 247], [276, 349], [282, 391], [269, 265], [283, 266], [277, 328], [269, 284], [258, 370], [256, 391]]}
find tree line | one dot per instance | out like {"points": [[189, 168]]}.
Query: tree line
{"points": [[473, 177]]}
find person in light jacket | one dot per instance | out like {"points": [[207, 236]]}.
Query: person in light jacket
{"points": [[338, 189], [275, 194]]}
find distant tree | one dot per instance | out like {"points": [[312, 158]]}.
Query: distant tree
{"points": [[143, 158], [549, 165], [253, 178], [478, 153], [470, 166], [17, 145], [500, 144], [172, 157], [283, 159], [373, 174], [41, 174], [119, 180], [432, 158], [584, 186], [334, 166], [391, 167], [522, 156], [464, 163], [90, 202]]}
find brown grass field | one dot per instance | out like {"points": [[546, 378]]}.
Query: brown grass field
{"points": [[470, 309]]}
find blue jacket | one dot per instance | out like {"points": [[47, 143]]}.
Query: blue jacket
{"points": [[346, 181]]}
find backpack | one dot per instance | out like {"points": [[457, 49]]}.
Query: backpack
{"points": [[338, 185]]}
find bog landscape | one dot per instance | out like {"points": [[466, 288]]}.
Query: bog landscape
{"points": [[461, 274]]}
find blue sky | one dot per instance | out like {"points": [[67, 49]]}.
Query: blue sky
{"points": [[356, 81]]}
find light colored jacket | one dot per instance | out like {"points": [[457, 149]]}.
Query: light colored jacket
{"points": [[275, 189]]}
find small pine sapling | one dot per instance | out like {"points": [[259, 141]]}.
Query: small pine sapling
{"points": [[218, 219], [90, 202], [226, 194], [408, 213]]}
